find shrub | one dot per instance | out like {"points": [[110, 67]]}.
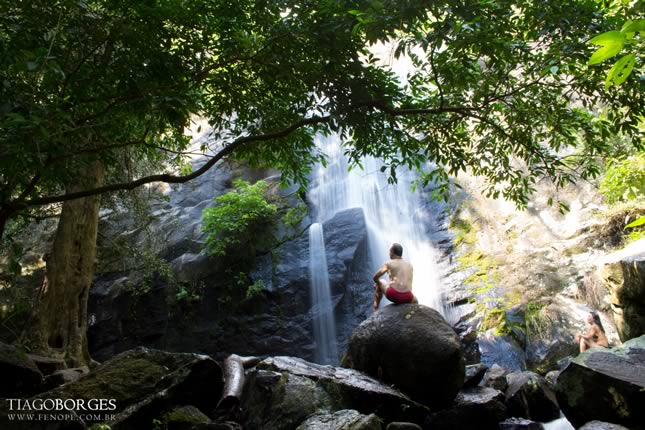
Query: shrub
{"points": [[237, 217], [624, 179]]}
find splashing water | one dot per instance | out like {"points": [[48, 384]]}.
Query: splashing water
{"points": [[393, 213], [323, 311]]}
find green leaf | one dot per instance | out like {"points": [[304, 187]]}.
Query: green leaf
{"points": [[620, 71], [634, 26], [605, 53], [611, 43], [609, 38], [638, 222]]}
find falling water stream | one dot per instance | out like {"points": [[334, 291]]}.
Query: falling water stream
{"points": [[393, 213], [323, 311]]}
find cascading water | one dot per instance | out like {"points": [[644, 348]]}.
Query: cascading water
{"points": [[393, 213], [322, 308]]}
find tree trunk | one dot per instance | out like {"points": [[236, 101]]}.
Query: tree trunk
{"points": [[59, 325]]}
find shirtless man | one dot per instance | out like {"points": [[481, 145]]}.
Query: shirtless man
{"points": [[399, 287]]}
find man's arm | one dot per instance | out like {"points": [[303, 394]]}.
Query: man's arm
{"points": [[382, 271]]}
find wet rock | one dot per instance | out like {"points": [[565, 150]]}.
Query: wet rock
{"points": [[433, 370], [480, 407], [184, 418], [19, 374], [520, 424], [617, 286], [600, 425], [605, 385], [529, 396], [501, 350], [474, 375], [341, 420], [496, 378], [283, 391]]}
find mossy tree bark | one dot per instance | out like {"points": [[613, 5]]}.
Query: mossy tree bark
{"points": [[59, 325]]}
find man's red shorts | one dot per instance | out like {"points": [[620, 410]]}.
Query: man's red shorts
{"points": [[398, 297]]}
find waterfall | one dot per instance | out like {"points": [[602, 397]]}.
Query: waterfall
{"points": [[393, 213], [322, 308]]}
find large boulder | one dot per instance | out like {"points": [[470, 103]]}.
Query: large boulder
{"points": [[137, 387], [412, 347], [283, 391], [617, 286], [605, 385], [480, 407], [346, 419], [529, 396], [19, 374]]}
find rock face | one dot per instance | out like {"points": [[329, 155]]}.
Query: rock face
{"points": [[144, 385], [529, 396], [618, 287], [278, 321], [606, 385], [18, 373], [283, 391], [412, 347]]}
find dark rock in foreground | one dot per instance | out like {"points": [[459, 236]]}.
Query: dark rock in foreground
{"points": [[474, 375], [529, 396], [413, 348], [18, 373], [605, 385], [600, 425], [283, 391], [496, 378], [341, 420], [479, 408], [143, 384]]}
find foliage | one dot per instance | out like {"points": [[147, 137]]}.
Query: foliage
{"points": [[255, 289], [624, 179], [237, 217], [188, 293], [117, 81], [626, 37], [294, 216]]}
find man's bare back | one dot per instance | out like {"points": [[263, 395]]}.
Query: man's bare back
{"points": [[400, 273], [398, 288]]}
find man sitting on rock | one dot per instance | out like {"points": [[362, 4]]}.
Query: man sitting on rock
{"points": [[399, 287]]}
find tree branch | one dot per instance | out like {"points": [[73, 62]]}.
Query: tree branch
{"points": [[168, 178]]}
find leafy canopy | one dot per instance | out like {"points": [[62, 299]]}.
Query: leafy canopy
{"points": [[498, 87], [237, 217]]}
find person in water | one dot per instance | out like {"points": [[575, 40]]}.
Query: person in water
{"points": [[398, 289], [595, 335]]}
